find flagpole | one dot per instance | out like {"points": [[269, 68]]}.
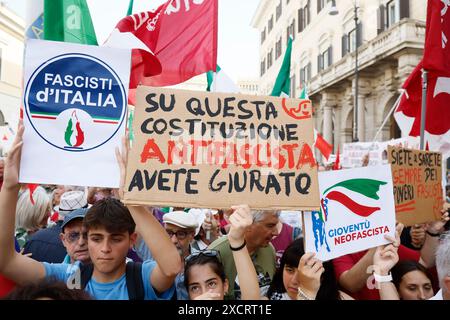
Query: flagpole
{"points": [[394, 107], [424, 108]]}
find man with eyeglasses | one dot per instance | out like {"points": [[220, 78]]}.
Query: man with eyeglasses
{"points": [[74, 237], [46, 245], [180, 226]]}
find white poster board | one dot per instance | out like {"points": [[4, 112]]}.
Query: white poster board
{"points": [[353, 153], [357, 211], [75, 107]]}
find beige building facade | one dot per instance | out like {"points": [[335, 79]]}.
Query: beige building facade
{"points": [[11, 59], [389, 38]]}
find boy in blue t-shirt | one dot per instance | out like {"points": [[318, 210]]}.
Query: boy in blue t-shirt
{"points": [[110, 231]]}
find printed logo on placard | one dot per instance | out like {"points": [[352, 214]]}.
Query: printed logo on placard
{"points": [[300, 112], [343, 193], [75, 102]]}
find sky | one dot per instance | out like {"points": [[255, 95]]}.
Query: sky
{"points": [[238, 42]]}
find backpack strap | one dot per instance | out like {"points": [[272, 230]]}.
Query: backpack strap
{"points": [[133, 276], [135, 285], [86, 271]]}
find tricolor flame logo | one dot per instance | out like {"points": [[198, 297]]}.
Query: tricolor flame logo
{"points": [[365, 187], [74, 138]]}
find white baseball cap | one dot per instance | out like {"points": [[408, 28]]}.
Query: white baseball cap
{"points": [[181, 219]]}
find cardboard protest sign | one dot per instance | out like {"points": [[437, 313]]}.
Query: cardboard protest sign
{"points": [[75, 106], [214, 150], [417, 179], [356, 212]]}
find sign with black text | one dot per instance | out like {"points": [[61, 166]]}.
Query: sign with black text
{"points": [[214, 150], [74, 110]]}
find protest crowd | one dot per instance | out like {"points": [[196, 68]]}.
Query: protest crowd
{"points": [[84, 243], [366, 233]]}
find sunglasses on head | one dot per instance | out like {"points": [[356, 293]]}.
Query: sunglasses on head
{"points": [[206, 253]]}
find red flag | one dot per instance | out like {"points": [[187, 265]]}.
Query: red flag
{"points": [[336, 165], [437, 49], [6, 286], [324, 147], [31, 188], [436, 61], [182, 35], [411, 100]]}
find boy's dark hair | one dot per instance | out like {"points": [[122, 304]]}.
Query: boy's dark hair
{"points": [[49, 289], [111, 214]]}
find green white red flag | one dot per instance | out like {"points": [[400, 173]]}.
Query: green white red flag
{"points": [[282, 87], [68, 21]]}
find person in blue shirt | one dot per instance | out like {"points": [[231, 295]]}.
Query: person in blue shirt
{"points": [[110, 228]]}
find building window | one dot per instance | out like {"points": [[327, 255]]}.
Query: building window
{"points": [[263, 67], [321, 4], [263, 35], [278, 11], [293, 94], [290, 31], [304, 17], [325, 59], [305, 74], [269, 58], [270, 24], [278, 49], [350, 41], [391, 13]]}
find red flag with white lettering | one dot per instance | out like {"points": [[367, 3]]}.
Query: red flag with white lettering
{"points": [[436, 60], [181, 34], [436, 56]]}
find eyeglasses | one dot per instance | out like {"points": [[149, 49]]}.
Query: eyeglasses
{"points": [[207, 253], [75, 236], [180, 234]]}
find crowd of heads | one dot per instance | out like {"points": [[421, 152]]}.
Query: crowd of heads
{"points": [[97, 228]]}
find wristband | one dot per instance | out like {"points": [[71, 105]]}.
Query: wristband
{"points": [[303, 295], [379, 278], [238, 248], [432, 234]]}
